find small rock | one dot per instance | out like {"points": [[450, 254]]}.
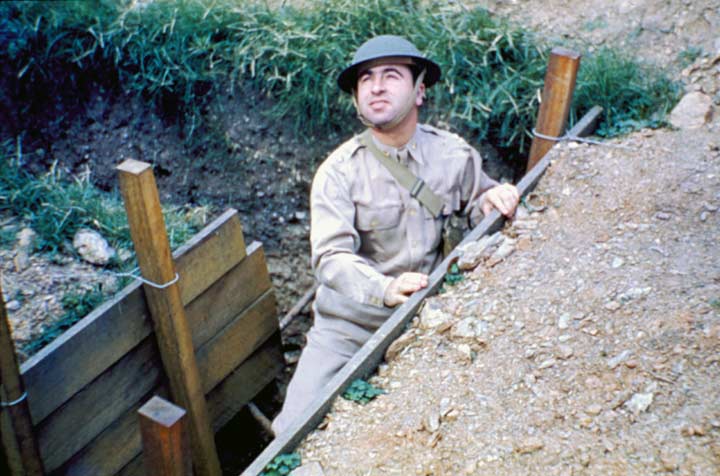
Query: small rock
{"points": [[26, 239], [433, 315], [670, 461], [703, 216], [504, 250], [547, 364], [529, 445], [631, 364], [639, 402], [300, 216], [472, 254], [93, 247], [662, 216], [445, 406], [693, 430], [399, 345], [308, 469], [563, 321], [694, 110], [612, 306], [465, 351], [13, 305], [617, 262], [470, 468], [593, 409], [618, 359], [431, 422], [21, 260], [634, 293], [565, 351], [468, 328]]}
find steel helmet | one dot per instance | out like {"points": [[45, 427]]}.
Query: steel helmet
{"points": [[385, 46]]}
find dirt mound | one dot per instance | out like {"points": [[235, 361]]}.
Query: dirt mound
{"points": [[594, 346]]}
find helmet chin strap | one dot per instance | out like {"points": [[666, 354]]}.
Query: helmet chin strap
{"points": [[402, 114]]}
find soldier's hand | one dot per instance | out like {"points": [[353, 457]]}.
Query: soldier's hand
{"points": [[403, 286], [503, 197]]}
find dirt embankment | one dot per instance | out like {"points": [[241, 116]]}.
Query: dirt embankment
{"points": [[593, 349]]}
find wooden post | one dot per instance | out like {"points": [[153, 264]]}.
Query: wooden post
{"points": [[556, 97], [165, 441], [147, 228], [18, 438]]}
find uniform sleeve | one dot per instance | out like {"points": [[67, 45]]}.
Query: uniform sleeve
{"points": [[335, 242], [474, 185]]}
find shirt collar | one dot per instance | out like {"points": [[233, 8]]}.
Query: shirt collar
{"points": [[413, 147]]}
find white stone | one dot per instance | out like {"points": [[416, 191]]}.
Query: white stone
{"points": [[694, 110], [26, 238], [93, 247], [433, 315], [308, 469], [639, 402], [618, 359], [468, 328], [563, 321]]}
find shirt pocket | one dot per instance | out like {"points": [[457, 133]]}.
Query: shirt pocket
{"points": [[381, 236]]}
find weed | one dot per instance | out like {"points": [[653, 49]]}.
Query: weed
{"points": [[282, 465], [361, 392], [687, 56], [594, 24], [454, 275], [631, 94], [715, 303]]}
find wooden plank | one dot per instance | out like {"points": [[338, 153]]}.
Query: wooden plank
{"points": [[101, 338], [113, 448], [14, 405], [556, 97], [367, 358], [210, 254], [165, 442], [92, 409], [172, 331], [241, 386], [238, 341], [222, 301], [117, 449]]}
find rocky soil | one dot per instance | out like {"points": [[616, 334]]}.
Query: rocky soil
{"points": [[592, 349]]}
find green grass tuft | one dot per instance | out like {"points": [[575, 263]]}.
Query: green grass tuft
{"points": [[56, 206], [179, 54]]}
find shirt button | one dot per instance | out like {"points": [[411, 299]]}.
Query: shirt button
{"points": [[412, 212]]}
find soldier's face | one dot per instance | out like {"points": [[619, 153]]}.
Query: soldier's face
{"points": [[383, 90]]}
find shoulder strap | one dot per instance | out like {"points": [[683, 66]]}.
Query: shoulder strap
{"points": [[416, 186]]}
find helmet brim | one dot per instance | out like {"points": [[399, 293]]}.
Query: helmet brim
{"points": [[347, 79]]}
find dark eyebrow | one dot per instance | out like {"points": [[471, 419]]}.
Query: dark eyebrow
{"points": [[381, 69]]}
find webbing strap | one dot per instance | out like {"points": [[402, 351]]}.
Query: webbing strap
{"points": [[416, 186]]}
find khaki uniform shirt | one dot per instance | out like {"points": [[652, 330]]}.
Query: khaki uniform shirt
{"points": [[366, 229]]}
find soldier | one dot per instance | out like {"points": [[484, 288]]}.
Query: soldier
{"points": [[378, 204]]}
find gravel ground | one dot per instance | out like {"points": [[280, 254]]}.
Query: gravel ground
{"points": [[594, 348]]}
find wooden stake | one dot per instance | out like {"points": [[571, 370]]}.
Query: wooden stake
{"points": [[18, 438], [147, 228], [556, 97], [165, 441]]}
